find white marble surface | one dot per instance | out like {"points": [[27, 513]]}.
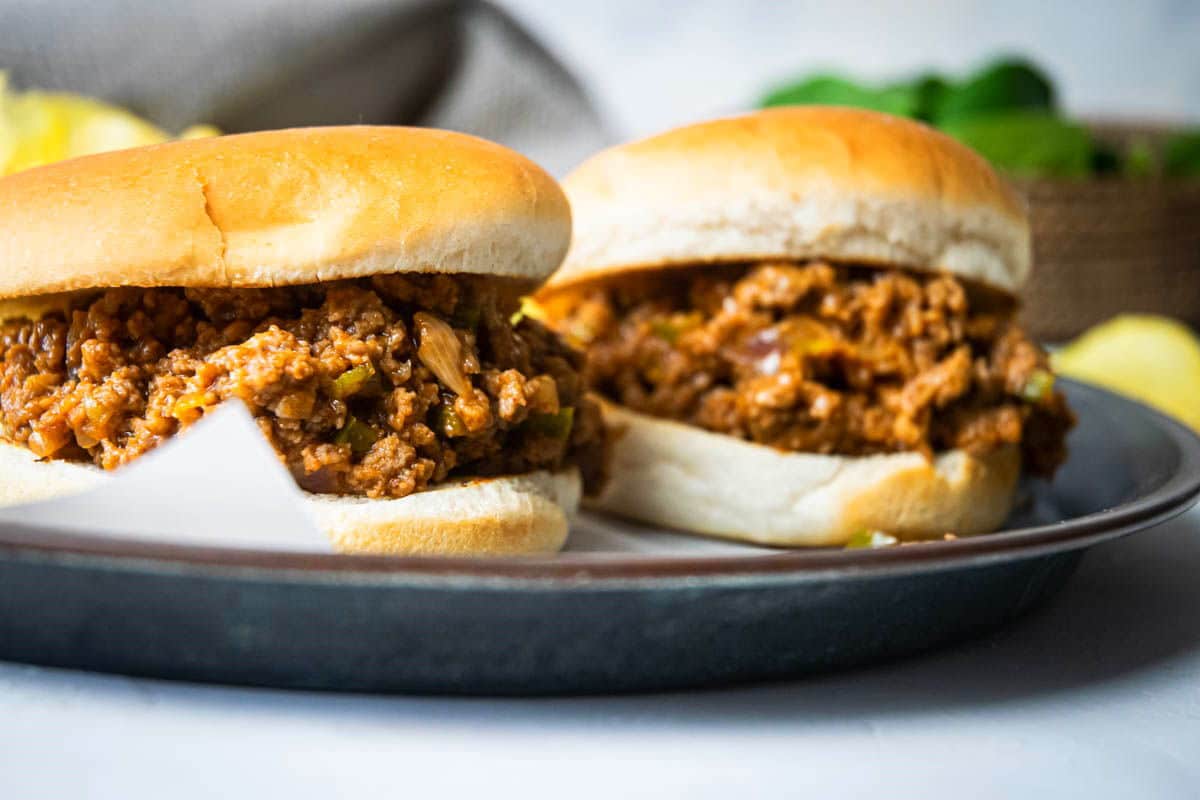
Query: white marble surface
{"points": [[1096, 696], [653, 65]]}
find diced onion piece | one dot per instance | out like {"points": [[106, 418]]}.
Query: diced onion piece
{"points": [[805, 336], [440, 350], [188, 403], [46, 442]]}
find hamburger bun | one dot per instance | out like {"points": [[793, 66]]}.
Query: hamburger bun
{"points": [[513, 515], [795, 183], [687, 478], [297, 207], [279, 208], [836, 184]]}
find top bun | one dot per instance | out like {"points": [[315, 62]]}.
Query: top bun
{"points": [[280, 207], [796, 183]]}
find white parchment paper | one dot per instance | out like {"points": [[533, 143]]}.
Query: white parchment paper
{"points": [[220, 484]]}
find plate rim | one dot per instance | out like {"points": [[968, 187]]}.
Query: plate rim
{"points": [[1179, 492]]}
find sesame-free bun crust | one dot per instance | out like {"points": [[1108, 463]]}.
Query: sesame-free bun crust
{"points": [[514, 515], [796, 183], [519, 514], [671, 474], [280, 207]]}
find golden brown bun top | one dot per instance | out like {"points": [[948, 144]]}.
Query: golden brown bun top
{"points": [[796, 183], [280, 207]]}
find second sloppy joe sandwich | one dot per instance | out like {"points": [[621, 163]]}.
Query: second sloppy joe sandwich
{"points": [[802, 322], [355, 287]]}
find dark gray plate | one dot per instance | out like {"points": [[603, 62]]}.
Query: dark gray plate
{"points": [[574, 623]]}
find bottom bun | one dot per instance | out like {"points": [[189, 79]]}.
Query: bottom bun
{"points": [[684, 477], [512, 515]]}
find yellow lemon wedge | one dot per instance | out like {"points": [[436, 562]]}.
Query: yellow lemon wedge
{"points": [[200, 132], [1154, 359], [40, 127], [8, 144]]}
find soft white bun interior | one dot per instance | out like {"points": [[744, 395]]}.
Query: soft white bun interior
{"points": [[671, 474]]}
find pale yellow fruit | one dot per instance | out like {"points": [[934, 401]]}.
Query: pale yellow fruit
{"points": [[1154, 359], [8, 134], [40, 127], [8, 143], [200, 132]]}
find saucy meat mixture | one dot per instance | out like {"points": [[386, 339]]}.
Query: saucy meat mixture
{"points": [[380, 387], [828, 359]]}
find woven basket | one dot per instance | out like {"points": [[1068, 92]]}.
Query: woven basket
{"points": [[1109, 245]]}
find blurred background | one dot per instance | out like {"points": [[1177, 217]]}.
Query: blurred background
{"points": [[654, 65], [1091, 110]]}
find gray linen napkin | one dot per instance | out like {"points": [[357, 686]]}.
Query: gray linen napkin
{"points": [[254, 64]]}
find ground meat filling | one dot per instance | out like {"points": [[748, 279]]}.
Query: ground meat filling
{"points": [[827, 359], [379, 387]]}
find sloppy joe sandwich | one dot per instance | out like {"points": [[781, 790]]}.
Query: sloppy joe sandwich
{"points": [[357, 288], [803, 324]]}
